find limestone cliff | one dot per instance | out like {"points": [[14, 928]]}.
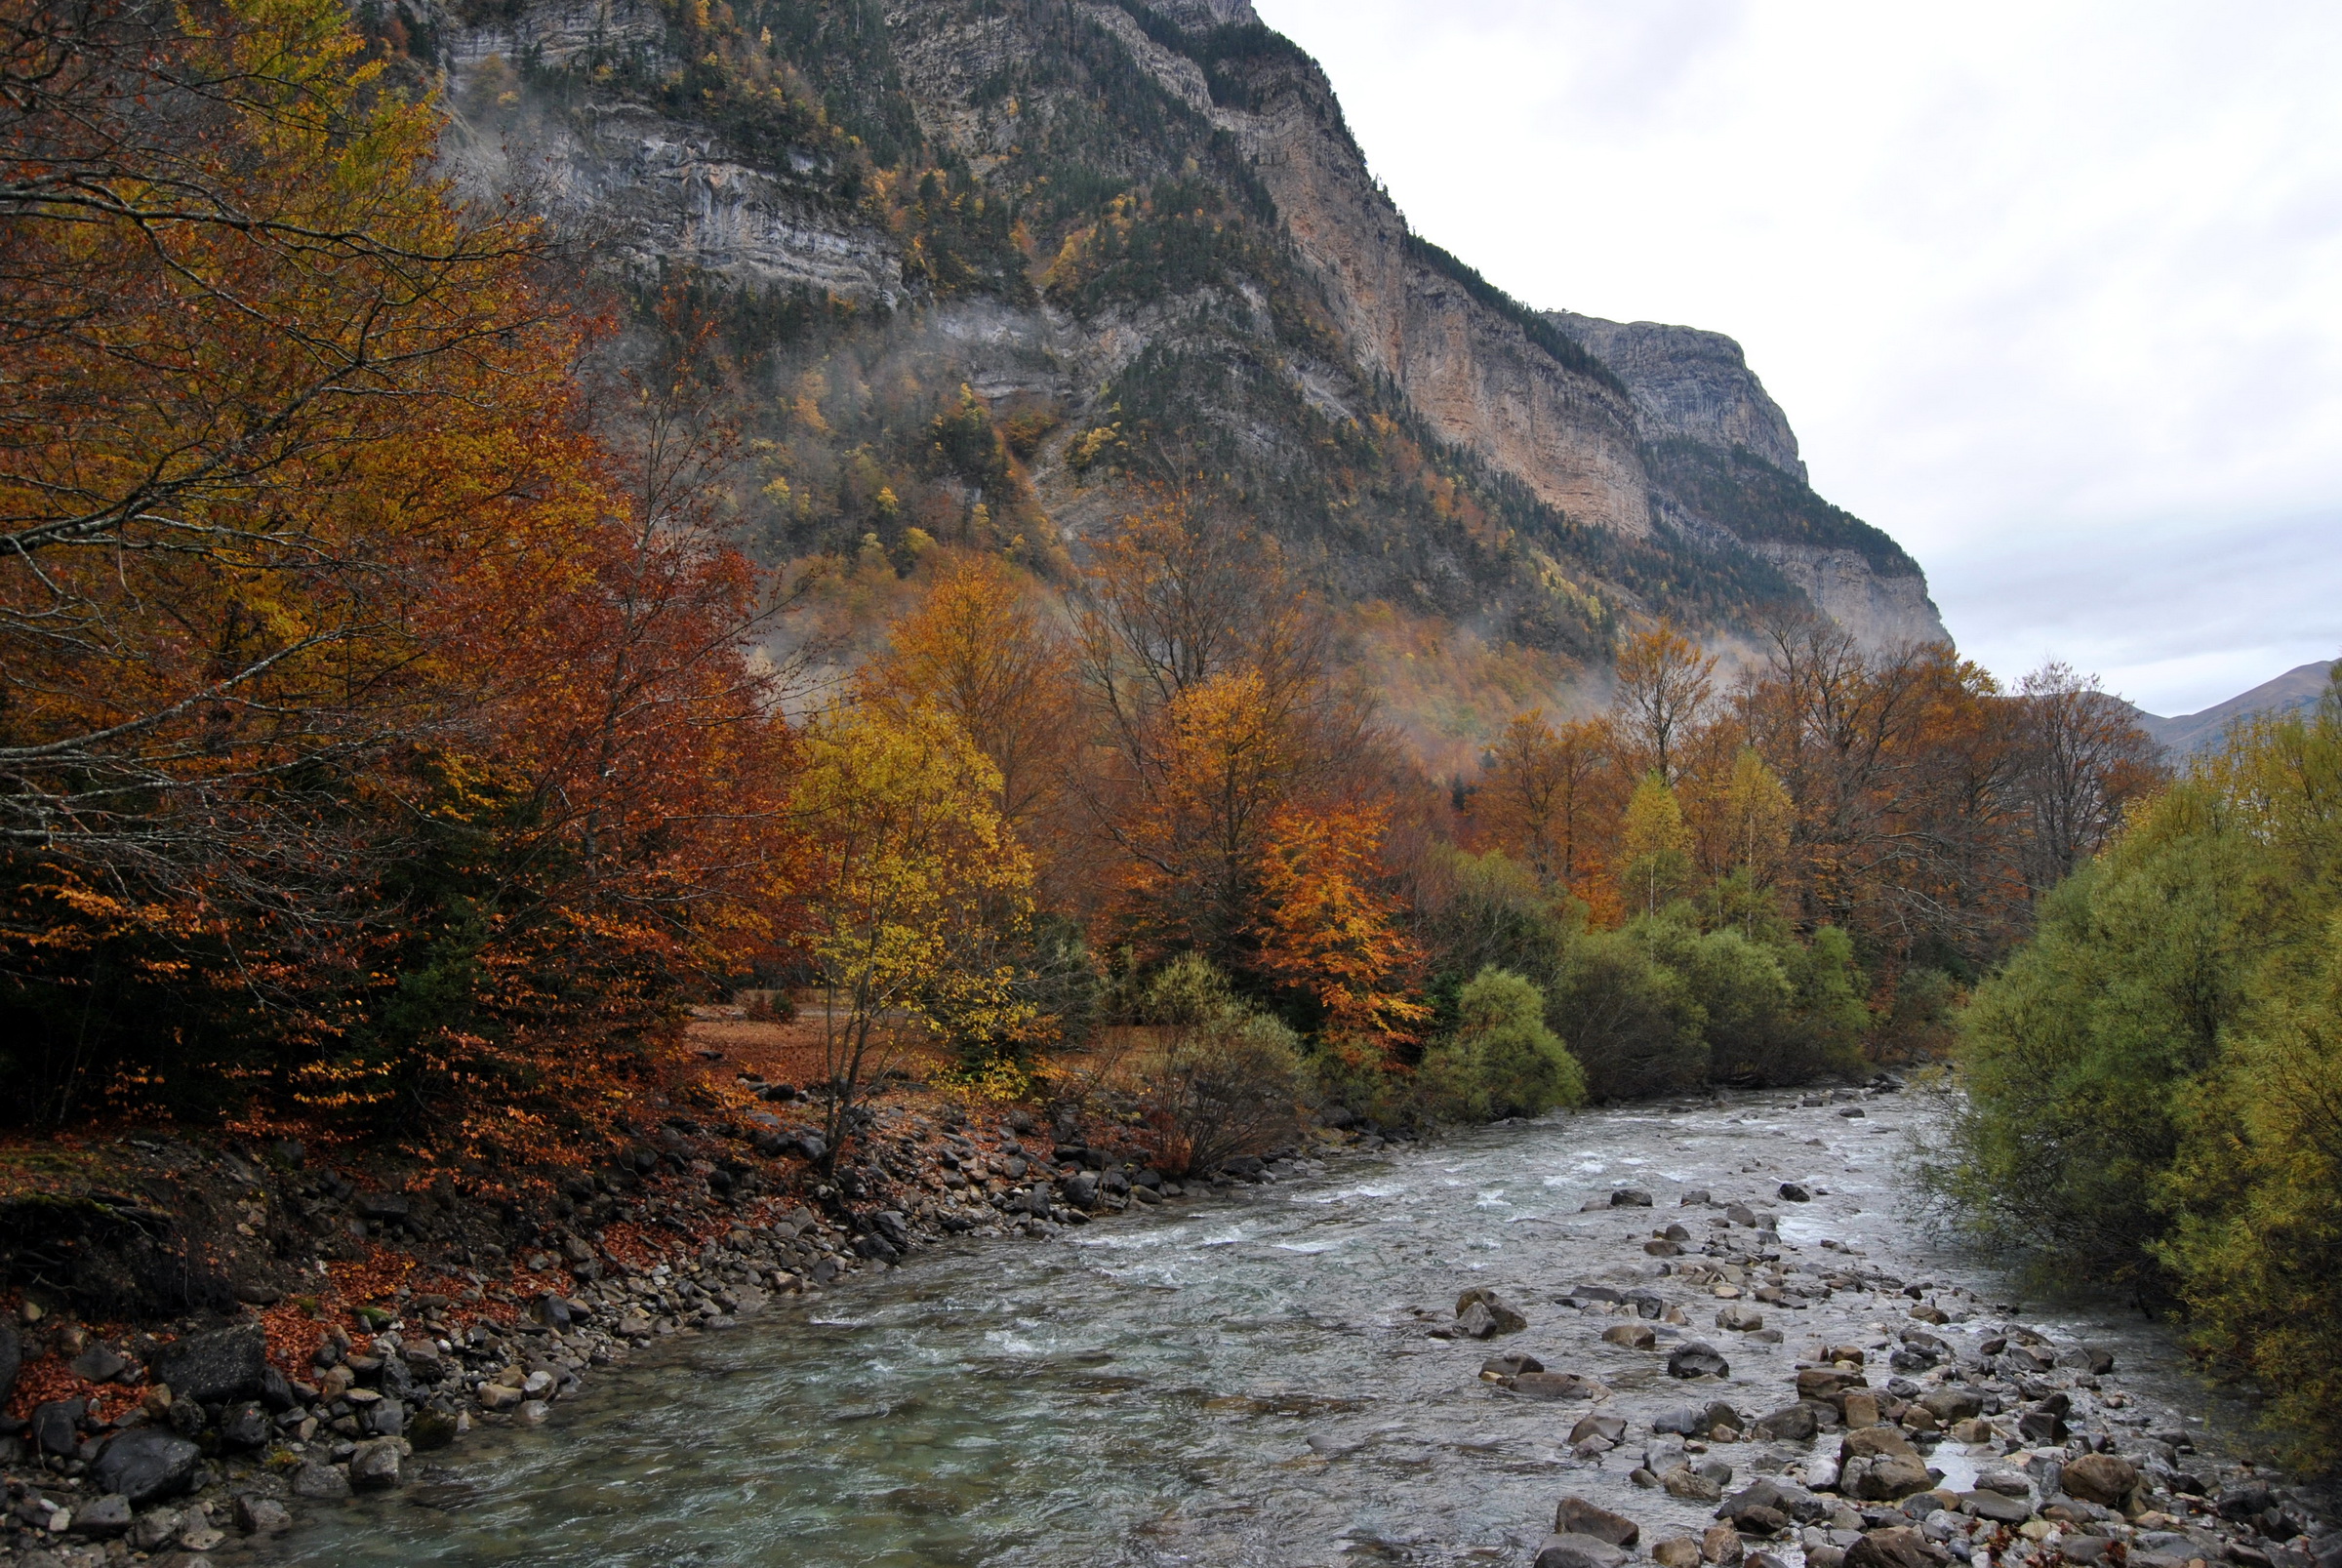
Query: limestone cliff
{"points": [[1143, 234]]}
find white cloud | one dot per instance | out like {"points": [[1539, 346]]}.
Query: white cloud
{"points": [[2047, 288]]}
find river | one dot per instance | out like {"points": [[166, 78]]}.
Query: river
{"points": [[1247, 1380]]}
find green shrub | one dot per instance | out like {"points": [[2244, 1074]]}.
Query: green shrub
{"points": [[1219, 1081], [1501, 1061], [1630, 1021]]}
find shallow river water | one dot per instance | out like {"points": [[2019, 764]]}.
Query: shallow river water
{"points": [[1247, 1380]]}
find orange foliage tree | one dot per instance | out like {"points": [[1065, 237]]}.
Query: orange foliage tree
{"points": [[369, 726]]}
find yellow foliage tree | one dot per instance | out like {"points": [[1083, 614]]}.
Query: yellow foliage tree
{"points": [[1655, 845], [913, 873]]}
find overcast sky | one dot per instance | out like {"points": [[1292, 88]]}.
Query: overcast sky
{"points": [[2051, 290]]}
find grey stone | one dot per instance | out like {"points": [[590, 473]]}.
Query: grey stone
{"points": [[1995, 1506], [1510, 1365], [1697, 1358], [245, 1426], [1567, 1550], [97, 1364], [1682, 1420], [56, 1425], [103, 1518], [320, 1483], [1555, 1386], [374, 1465], [1609, 1428], [146, 1465], [1790, 1424], [1576, 1516], [211, 1368], [1501, 1316], [262, 1515], [1796, 1192], [1630, 1197]]}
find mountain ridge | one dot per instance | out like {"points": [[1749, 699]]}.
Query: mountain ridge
{"points": [[2299, 688]]}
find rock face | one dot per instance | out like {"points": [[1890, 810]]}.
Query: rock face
{"points": [[1690, 386], [1186, 247]]}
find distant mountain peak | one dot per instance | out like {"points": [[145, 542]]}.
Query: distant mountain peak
{"points": [[2298, 688]]}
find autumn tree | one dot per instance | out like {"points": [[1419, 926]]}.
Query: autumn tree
{"points": [[982, 648], [1666, 695], [1655, 846], [377, 740], [1547, 794], [913, 870]]}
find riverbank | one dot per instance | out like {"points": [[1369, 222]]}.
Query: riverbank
{"points": [[1280, 1374], [203, 1342]]}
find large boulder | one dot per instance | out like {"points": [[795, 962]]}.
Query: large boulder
{"points": [[2101, 1478], [1697, 1358], [146, 1465], [374, 1465], [1953, 1402], [1577, 1516], [214, 1368], [1790, 1424], [1483, 1314]]}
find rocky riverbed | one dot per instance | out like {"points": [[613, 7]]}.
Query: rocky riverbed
{"points": [[1692, 1334]]}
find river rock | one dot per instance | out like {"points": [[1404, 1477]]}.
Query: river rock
{"points": [[2043, 1428], [1681, 1420], [1899, 1547], [1739, 1318], [97, 1364], [146, 1465], [1611, 1429], [1634, 1335], [320, 1483], [1887, 1478], [56, 1425], [1630, 1197], [103, 1518], [1576, 1516], [1556, 1385], [1790, 1424], [1721, 1546], [1996, 1508], [1796, 1192], [1696, 1359], [211, 1368], [1953, 1402], [1565, 1550], [1498, 1368], [374, 1464], [2101, 1478], [1677, 1552], [262, 1515], [1690, 1484], [1494, 1315]]}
